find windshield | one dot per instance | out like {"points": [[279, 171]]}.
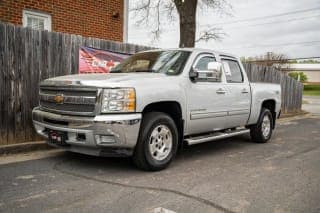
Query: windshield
{"points": [[170, 62]]}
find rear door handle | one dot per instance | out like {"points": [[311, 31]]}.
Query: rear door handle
{"points": [[244, 90], [221, 91]]}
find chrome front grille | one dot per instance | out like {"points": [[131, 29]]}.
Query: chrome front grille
{"points": [[75, 101]]}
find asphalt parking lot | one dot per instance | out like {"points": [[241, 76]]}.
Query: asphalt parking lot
{"points": [[232, 175]]}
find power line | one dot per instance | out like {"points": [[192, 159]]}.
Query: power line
{"points": [[264, 17], [274, 22], [305, 43], [253, 25], [289, 44]]}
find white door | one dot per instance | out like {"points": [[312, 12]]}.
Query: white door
{"points": [[239, 92], [206, 101]]}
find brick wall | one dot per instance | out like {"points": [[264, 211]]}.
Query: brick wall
{"points": [[89, 18]]}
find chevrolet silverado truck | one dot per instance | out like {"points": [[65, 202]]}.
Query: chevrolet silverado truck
{"points": [[152, 103]]}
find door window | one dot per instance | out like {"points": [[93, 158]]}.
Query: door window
{"points": [[203, 73], [202, 63], [232, 71]]}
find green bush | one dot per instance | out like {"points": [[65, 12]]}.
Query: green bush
{"points": [[303, 77], [312, 89]]}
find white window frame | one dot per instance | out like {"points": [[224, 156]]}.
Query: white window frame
{"points": [[125, 20], [46, 17]]}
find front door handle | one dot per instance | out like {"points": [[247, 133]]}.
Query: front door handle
{"points": [[244, 90], [221, 91]]}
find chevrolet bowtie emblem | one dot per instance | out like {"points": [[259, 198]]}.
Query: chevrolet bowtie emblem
{"points": [[58, 99]]}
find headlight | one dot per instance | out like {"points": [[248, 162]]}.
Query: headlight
{"points": [[118, 100]]}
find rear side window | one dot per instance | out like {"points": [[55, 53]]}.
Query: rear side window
{"points": [[232, 71]]}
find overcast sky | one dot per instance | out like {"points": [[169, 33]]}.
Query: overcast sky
{"points": [[251, 30]]}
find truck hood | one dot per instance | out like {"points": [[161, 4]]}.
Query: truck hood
{"points": [[105, 80]]}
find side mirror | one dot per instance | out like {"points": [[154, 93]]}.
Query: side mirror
{"points": [[212, 73], [193, 74], [216, 70], [214, 66]]}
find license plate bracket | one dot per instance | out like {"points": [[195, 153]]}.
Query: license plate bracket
{"points": [[58, 137]]}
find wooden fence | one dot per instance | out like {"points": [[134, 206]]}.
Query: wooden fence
{"points": [[291, 90], [29, 56]]}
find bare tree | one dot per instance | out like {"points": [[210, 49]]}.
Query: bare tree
{"points": [[276, 60], [156, 13]]}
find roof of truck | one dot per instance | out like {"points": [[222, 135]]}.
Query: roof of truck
{"points": [[197, 50]]}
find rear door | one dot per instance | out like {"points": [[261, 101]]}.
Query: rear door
{"points": [[239, 93]]}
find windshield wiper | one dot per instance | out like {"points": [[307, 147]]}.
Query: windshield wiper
{"points": [[119, 71], [147, 70], [115, 71]]}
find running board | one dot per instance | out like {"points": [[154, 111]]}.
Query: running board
{"points": [[215, 136]]}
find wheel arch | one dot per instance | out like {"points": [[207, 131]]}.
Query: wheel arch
{"points": [[171, 108], [270, 104]]}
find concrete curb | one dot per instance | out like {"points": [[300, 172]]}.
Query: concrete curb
{"points": [[291, 115], [24, 147]]}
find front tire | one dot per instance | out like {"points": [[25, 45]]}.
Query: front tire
{"points": [[157, 143], [262, 131]]}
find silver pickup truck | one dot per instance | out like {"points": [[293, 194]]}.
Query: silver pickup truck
{"points": [[153, 102]]}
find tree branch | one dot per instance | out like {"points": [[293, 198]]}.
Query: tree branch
{"points": [[213, 33], [150, 12]]}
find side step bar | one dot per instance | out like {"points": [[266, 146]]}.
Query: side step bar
{"points": [[215, 136]]}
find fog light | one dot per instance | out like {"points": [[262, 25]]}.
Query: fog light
{"points": [[105, 139], [81, 137]]}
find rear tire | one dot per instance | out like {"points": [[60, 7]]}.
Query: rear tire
{"points": [[157, 143], [262, 131]]}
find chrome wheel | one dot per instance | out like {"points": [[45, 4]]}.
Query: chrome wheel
{"points": [[266, 126], [160, 142]]}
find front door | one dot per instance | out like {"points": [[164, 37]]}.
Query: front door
{"points": [[206, 101]]}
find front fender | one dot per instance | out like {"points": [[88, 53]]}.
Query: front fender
{"points": [[170, 89]]}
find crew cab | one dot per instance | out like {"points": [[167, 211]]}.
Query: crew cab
{"points": [[153, 102]]}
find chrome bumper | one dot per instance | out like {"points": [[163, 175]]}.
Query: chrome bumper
{"points": [[107, 135]]}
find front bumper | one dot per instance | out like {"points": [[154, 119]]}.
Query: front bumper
{"points": [[102, 135]]}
